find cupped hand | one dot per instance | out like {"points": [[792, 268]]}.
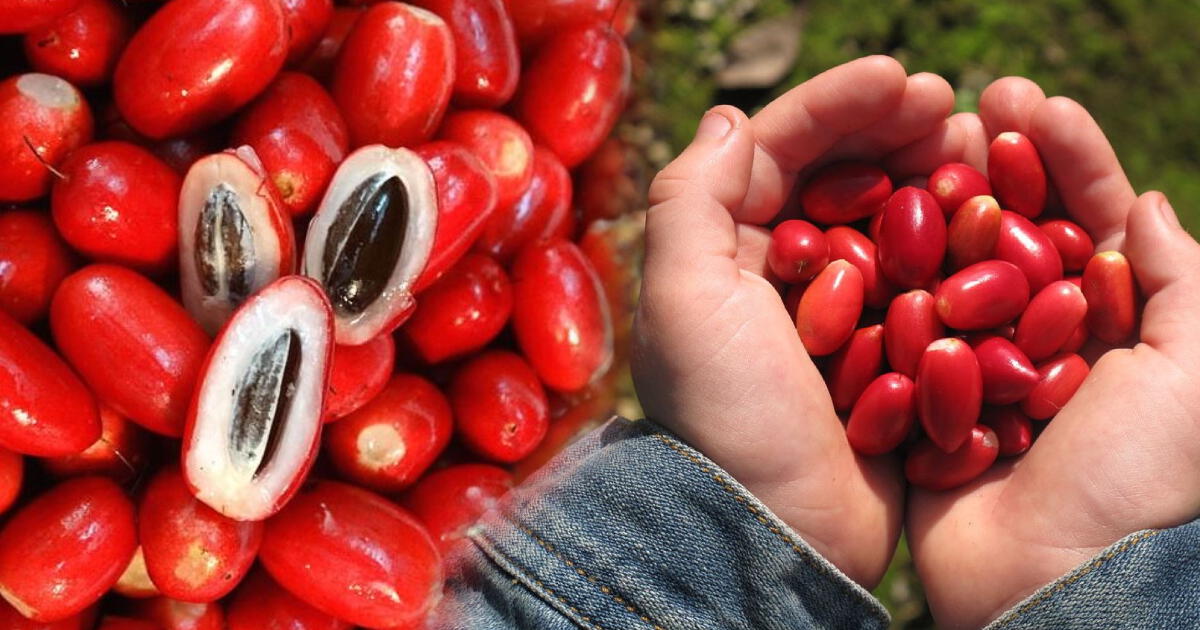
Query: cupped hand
{"points": [[717, 358], [1124, 454]]}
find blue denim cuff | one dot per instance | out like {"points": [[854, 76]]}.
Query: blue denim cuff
{"points": [[631, 528], [1149, 579]]}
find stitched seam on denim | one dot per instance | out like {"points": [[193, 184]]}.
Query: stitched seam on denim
{"points": [[590, 578], [492, 548], [1074, 577], [755, 512]]}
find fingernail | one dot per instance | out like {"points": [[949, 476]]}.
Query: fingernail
{"points": [[1168, 213], [713, 126]]}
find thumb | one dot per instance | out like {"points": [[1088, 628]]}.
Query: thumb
{"points": [[689, 224], [1166, 264]]}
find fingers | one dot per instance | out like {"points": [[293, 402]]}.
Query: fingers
{"points": [[689, 225], [960, 138], [803, 124], [1007, 105], [1166, 261], [752, 244], [1084, 168], [927, 100]]}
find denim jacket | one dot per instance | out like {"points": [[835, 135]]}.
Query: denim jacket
{"points": [[632, 529]]}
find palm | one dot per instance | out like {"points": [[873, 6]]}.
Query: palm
{"points": [[1121, 456], [717, 355]]}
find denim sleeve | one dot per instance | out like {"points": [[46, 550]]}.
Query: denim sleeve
{"points": [[631, 528], [1149, 579]]}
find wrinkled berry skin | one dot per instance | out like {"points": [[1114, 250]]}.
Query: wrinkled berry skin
{"points": [[560, 315], [575, 89], [61, 552], [394, 75], [194, 62], [135, 346], [355, 555]]}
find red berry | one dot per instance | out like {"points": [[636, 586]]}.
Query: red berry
{"points": [[462, 312], [33, 262], [500, 408], [798, 251], [449, 500], [844, 193], [42, 120], [357, 374]]}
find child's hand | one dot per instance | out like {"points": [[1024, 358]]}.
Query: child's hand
{"points": [[717, 357], [1124, 455]]}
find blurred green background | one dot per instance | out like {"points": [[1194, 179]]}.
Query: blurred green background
{"points": [[1133, 63]]}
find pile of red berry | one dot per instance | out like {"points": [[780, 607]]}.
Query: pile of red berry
{"points": [[932, 303], [261, 262]]}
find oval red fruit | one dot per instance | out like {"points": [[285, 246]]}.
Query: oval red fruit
{"points": [[466, 200], [487, 61], [574, 90], [388, 570], [12, 477], [44, 409], [560, 315], [847, 243], [18, 16], [949, 392], [982, 296], [528, 219], [883, 415], [117, 203], [1051, 320], [306, 21], [394, 74], [503, 146], [1008, 375], [845, 193], [830, 308], [121, 452], [172, 614], [194, 62], [135, 346], [33, 262], [1017, 174], [389, 443], [193, 553], [852, 368], [462, 312], [1024, 245], [357, 374], [798, 251], [81, 46], [41, 112], [298, 132], [62, 551], [1060, 379], [1014, 431], [931, 468], [973, 233], [912, 238], [1072, 242], [911, 325], [535, 20], [954, 183], [260, 603], [1111, 294], [500, 408], [449, 500]]}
